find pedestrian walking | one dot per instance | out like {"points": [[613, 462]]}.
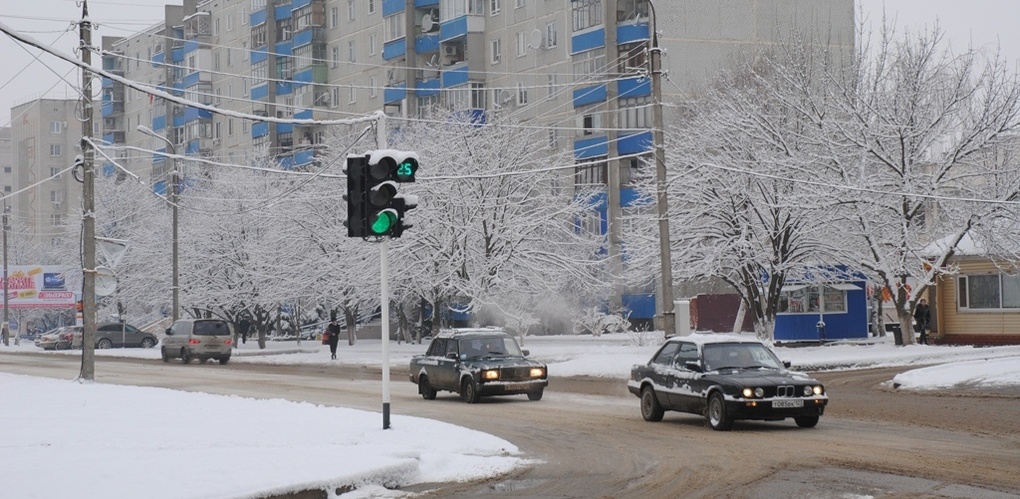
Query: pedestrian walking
{"points": [[333, 331], [922, 318]]}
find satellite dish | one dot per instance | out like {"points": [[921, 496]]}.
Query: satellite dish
{"points": [[504, 98], [433, 61], [429, 23], [536, 39], [106, 281]]}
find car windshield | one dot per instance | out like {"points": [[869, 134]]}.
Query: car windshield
{"points": [[211, 328], [477, 348], [739, 356]]}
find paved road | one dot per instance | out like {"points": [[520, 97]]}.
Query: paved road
{"points": [[589, 440]]}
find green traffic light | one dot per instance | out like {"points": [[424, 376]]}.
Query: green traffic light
{"points": [[383, 222], [406, 169]]}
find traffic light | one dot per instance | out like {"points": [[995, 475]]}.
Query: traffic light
{"points": [[375, 208]]}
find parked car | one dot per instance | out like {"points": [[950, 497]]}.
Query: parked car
{"points": [[51, 340], [725, 378], [201, 339], [119, 334], [476, 363]]}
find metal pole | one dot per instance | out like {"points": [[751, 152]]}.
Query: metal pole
{"points": [[665, 260], [6, 327], [88, 292], [173, 187], [384, 271]]}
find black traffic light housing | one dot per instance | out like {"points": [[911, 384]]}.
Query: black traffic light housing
{"points": [[374, 207]]}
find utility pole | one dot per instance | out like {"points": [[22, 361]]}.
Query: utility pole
{"points": [[614, 183], [6, 324], [88, 291], [384, 293], [665, 259]]}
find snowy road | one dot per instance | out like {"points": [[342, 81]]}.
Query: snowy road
{"points": [[590, 441]]}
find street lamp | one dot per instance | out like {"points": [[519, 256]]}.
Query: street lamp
{"points": [[173, 206]]}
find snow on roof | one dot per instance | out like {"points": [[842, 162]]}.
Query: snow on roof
{"points": [[966, 247]]}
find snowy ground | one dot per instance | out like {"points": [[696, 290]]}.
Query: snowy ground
{"points": [[54, 463]]}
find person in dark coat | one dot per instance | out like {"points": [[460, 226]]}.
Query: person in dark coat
{"points": [[922, 317], [333, 330]]}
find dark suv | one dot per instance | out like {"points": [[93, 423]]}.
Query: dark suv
{"points": [[476, 363]]}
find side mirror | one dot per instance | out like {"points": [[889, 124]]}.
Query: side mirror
{"points": [[451, 356], [692, 366], [786, 364], [526, 352], [169, 332]]}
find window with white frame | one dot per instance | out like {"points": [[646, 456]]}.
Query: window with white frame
{"points": [[550, 35], [350, 10], [371, 6], [988, 292], [452, 9], [351, 51], [635, 113], [56, 220], [55, 150], [54, 172], [334, 17], [590, 122], [373, 87], [522, 94], [56, 127], [245, 16], [371, 44], [586, 14], [590, 172], [335, 56], [244, 51], [352, 94], [393, 27], [494, 7], [814, 299], [588, 63], [519, 3], [496, 53], [522, 44], [551, 84]]}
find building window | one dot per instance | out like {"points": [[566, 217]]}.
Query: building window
{"points": [[494, 7], [518, 3], [393, 28], [988, 292], [591, 123], [522, 94], [452, 9], [592, 62], [54, 172], [244, 16], [335, 56], [55, 149], [551, 84], [371, 6], [371, 44], [334, 17], [350, 10], [373, 88], [497, 51], [352, 95], [56, 220], [590, 172], [586, 13], [522, 44], [351, 49], [550, 35], [635, 113], [811, 299], [56, 127]]}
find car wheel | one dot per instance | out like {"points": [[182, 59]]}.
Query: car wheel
{"points": [[806, 421], [717, 417], [536, 395], [58, 346], [425, 388], [650, 408], [203, 360], [185, 356], [148, 343], [469, 391], [224, 360], [162, 353], [104, 344]]}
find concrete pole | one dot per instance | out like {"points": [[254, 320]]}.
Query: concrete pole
{"points": [[88, 355], [665, 259], [384, 298]]}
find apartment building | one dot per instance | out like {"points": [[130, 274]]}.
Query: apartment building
{"points": [[579, 68]]}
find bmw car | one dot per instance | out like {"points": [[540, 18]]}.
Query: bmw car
{"points": [[725, 378]]}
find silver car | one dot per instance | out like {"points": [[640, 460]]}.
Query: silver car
{"points": [[201, 339]]}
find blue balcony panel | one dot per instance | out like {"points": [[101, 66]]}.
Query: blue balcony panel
{"points": [[305, 75], [190, 46], [428, 88], [157, 59], [630, 196], [285, 48], [286, 162], [258, 18], [193, 146], [390, 7], [158, 155], [304, 157], [159, 187], [108, 138], [159, 123], [297, 4], [634, 87], [635, 143], [392, 95], [284, 88], [592, 147], [393, 49], [177, 55], [179, 120], [107, 109], [305, 114], [453, 29], [108, 169], [590, 95], [284, 128], [282, 11], [590, 40], [304, 37], [259, 130], [107, 83], [426, 3], [190, 80], [630, 33], [259, 54], [426, 43], [458, 75], [260, 92]]}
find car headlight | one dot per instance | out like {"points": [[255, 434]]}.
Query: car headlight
{"points": [[818, 390], [753, 393], [537, 372], [490, 374]]}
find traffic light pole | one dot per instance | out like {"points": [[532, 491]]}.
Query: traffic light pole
{"points": [[384, 292]]}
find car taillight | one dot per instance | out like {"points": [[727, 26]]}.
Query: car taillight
{"points": [[228, 342], [194, 341]]}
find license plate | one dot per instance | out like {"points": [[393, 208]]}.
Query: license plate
{"points": [[787, 403]]}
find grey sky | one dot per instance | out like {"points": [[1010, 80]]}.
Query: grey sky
{"points": [[978, 23]]}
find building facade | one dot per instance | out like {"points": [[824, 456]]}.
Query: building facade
{"points": [[579, 68]]}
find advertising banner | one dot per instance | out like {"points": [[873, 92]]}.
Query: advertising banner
{"points": [[37, 286]]}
